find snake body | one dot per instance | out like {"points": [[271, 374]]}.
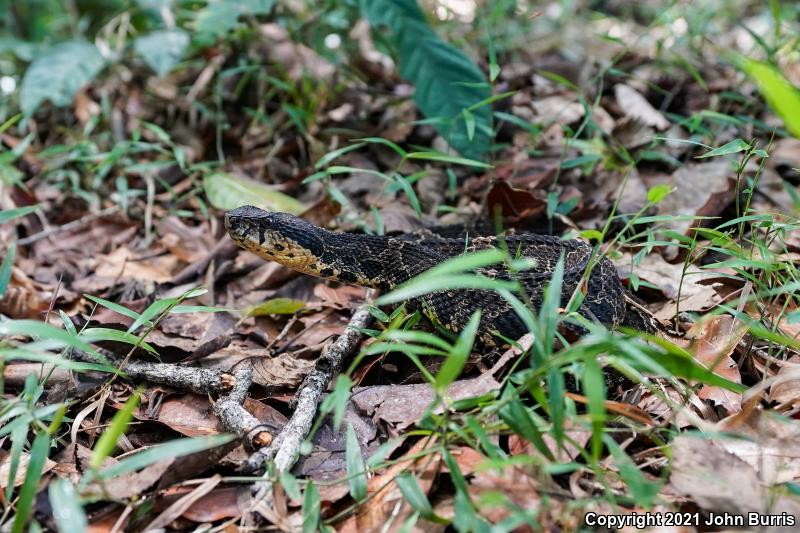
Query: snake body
{"points": [[384, 262]]}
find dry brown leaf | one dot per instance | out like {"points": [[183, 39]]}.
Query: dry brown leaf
{"points": [[576, 440], [700, 189], [515, 483], [636, 106], [341, 297], [558, 109], [22, 468], [771, 446], [695, 287], [402, 405], [224, 502], [189, 244], [718, 480], [132, 265], [712, 343], [513, 203], [298, 59], [24, 297], [785, 392]]}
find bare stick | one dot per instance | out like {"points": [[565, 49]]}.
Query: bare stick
{"points": [[235, 418], [199, 380], [286, 445]]}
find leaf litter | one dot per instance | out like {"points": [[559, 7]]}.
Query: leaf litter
{"points": [[563, 152]]}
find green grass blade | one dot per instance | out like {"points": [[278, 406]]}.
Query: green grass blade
{"points": [[311, 508], [117, 308], [594, 388], [5, 267], [356, 471], [27, 494], [108, 440], [781, 95], [9, 214], [168, 450], [67, 509], [455, 361]]}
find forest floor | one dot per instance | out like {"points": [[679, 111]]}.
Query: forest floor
{"points": [[634, 128]]}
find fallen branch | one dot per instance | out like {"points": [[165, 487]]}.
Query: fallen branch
{"points": [[199, 380], [285, 447], [235, 418]]}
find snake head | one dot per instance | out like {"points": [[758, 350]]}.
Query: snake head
{"points": [[279, 237]]}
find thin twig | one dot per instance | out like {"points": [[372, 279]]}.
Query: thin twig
{"points": [[199, 380]]}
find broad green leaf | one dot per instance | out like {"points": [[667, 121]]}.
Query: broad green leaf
{"points": [[450, 275], [414, 495], [57, 74], [67, 509], [386, 142], [383, 451], [168, 450], [336, 401], [154, 310], [733, 147], [420, 286], [162, 49], [9, 214], [179, 309], [225, 192], [356, 471], [338, 169], [782, 96], [218, 17], [30, 353], [290, 485], [275, 306], [18, 437], [405, 185], [27, 494], [108, 439], [680, 363], [446, 81]]}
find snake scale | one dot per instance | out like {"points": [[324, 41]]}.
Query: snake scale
{"points": [[384, 262]]}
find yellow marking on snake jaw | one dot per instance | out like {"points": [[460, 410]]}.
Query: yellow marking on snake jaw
{"points": [[280, 249]]}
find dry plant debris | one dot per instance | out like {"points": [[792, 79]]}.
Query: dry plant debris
{"points": [[155, 377]]}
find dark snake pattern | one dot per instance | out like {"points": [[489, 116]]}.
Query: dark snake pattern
{"points": [[384, 262]]}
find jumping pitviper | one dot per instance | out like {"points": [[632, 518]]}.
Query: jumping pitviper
{"points": [[384, 262]]}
